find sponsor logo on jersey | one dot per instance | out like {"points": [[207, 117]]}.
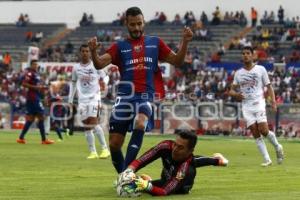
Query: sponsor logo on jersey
{"points": [[137, 48]]}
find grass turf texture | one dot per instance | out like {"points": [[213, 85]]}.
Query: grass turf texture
{"points": [[61, 171]]}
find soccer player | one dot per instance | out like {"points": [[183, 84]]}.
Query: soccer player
{"points": [[34, 105], [137, 57], [85, 79], [251, 80], [58, 111], [179, 165]]}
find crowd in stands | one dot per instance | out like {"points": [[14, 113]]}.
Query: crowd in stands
{"points": [[86, 20], [23, 20], [193, 81]]}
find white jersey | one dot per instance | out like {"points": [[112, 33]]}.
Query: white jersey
{"points": [[251, 83], [87, 82]]}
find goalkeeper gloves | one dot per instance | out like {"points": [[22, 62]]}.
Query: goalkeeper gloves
{"points": [[142, 185]]}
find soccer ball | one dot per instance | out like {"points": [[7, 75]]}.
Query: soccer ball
{"points": [[127, 190], [126, 186]]}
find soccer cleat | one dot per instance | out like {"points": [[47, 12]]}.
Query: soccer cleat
{"points": [[279, 154], [59, 140], [21, 141], [267, 163], [67, 133], [222, 160], [104, 154], [93, 155], [47, 141]]}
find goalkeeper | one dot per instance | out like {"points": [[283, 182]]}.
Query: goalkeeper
{"points": [[179, 165]]}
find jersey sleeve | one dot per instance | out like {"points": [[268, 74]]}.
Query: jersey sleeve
{"points": [[235, 78], [164, 50], [101, 74], [175, 182], [113, 52], [265, 76], [151, 155]]}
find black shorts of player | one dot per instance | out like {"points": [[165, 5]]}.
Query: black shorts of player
{"points": [[120, 128]]}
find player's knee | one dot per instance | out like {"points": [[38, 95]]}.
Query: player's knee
{"points": [[139, 124], [115, 145]]}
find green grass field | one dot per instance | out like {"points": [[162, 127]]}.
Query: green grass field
{"points": [[61, 171]]}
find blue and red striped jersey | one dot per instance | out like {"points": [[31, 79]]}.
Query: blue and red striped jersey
{"points": [[138, 64], [33, 78]]}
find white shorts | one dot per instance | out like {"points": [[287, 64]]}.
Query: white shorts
{"points": [[86, 110], [252, 117]]}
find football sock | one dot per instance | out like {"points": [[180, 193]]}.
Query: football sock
{"points": [[117, 160], [100, 135], [205, 161], [272, 138], [58, 131], [134, 146], [42, 129], [25, 129], [47, 124], [262, 148], [90, 138]]}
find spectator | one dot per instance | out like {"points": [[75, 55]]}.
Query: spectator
{"points": [[216, 16], [236, 130], [28, 36], [204, 18], [155, 19], [177, 20], [7, 59], [264, 19], [26, 20], [243, 19], [90, 20], [69, 47], [162, 18], [84, 20], [280, 15], [20, 21], [38, 37], [253, 17], [221, 49]]}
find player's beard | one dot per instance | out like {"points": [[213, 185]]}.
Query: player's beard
{"points": [[136, 34]]}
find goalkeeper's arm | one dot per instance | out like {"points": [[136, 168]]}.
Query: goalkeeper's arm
{"points": [[147, 186]]}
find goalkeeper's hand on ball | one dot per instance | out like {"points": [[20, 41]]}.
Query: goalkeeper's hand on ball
{"points": [[126, 177], [142, 185]]}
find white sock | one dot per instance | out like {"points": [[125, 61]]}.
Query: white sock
{"points": [[47, 124], [272, 138], [100, 135], [90, 138], [262, 148]]}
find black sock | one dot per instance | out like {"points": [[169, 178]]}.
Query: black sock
{"points": [[134, 146], [25, 129], [117, 160], [42, 129]]}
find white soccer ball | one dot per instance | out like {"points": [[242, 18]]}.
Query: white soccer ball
{"points": [[126, 177], [127, 190]]}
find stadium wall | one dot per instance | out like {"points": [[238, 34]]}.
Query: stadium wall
{"points": [[70, 12]]}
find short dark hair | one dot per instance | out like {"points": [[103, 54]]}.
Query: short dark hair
{"points": [[83, 46], [133, 11], [188, 135], [248, 48], [32, 61]]}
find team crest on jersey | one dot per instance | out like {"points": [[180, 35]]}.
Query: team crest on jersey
{"points": [[180, 175], [137, 48]]}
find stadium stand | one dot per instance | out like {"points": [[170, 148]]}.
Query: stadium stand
{"points": [[14, 39]]}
